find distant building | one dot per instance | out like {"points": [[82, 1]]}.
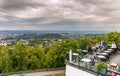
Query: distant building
{"points": [[4, 44]]}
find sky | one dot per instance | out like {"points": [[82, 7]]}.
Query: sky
{"points": [[60, 15]]}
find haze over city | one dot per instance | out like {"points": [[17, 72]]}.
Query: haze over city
{"points": [[60, 15]]}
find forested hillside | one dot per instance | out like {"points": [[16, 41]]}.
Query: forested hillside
{"points": [[23, 56]]}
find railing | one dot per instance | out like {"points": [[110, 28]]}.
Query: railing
{"points": [[86, 64], [89, 70], [89, 65]]}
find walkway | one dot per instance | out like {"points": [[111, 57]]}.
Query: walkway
{"points": [[47, 73]]}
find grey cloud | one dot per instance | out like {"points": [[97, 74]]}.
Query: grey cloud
{"points": [[67, 13], [64, 22], [15, 5], [85, 7], [31, 20]]}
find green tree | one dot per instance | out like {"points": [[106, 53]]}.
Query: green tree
{"points": [[18, 56], [113, 36], [36, 60], [71, 44], [84, 42], [55, 57], [5, 62]]}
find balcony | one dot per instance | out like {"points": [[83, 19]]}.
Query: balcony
{"points": [[88, 64]]}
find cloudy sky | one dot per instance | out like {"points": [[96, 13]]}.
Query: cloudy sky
{"points": [[59, 14]]}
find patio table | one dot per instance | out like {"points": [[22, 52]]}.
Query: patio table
{"points": [[86, 60]]}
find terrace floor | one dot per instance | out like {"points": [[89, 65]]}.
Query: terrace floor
{"points": [[115, 58]]}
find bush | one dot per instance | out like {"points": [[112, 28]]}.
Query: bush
{"points": [[100, 66]]}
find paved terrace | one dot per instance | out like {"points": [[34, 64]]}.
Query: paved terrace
{"points": [[115, 58]]}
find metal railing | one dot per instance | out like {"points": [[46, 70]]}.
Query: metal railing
{"points": [[89, 70], [89, 66]]}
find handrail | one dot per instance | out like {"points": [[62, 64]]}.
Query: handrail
{"points": [[87, 70]]}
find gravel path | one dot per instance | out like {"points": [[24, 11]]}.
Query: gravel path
{"points": [[46, 73]]}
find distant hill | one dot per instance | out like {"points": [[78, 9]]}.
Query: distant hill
{"points": [[51, 35]]}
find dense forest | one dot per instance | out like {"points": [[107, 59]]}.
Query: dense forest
{"points": [[24, 56]]}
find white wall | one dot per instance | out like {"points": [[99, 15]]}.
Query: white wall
{"points": [[72, 71]]}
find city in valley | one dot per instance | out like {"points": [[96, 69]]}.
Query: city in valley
{"points": [[42, 37]]}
